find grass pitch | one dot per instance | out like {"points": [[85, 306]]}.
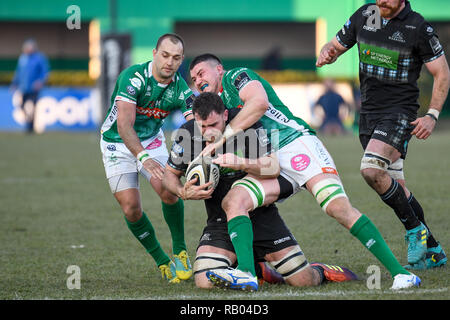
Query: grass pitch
{"points": [[56, 211]]}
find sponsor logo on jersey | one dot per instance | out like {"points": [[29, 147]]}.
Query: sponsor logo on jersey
{"points": [[154, 144], [435, 45], [382, 133], [329, 170], [155, 112], [372, 29], [111, 147], [281, 240], [241, 80]]}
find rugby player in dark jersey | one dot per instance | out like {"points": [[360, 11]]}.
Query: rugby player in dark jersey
{"points": [[247, 162], [394, 42]]}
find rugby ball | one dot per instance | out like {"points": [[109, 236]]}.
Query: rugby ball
{"points": [[204, 170]]}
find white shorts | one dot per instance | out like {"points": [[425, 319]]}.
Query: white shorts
{"points": [[304, 158], [118, 160]]}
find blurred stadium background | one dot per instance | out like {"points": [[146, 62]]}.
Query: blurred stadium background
{"points": [[88, 43]]}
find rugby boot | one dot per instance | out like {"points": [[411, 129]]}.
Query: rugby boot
{"points": [[265, 273], [168, 272], [416, 240], [182, 265], [335, 273], [233, 279], [404, 281], [435, 257]]}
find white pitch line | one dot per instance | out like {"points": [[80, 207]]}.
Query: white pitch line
{"points": [[299, 294]]}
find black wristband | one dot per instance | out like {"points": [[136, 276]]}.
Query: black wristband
{"points": [[432, 116]]}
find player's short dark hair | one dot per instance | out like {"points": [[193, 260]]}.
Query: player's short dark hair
{"points": [[173, 37], [202, 58], [207, 102]]}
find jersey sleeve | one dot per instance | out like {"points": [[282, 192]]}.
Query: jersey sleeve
{"points": [[346, 36], [238, 78], [428, 46], [128, 87], [185, 98]]}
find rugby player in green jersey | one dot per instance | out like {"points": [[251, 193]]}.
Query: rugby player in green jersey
{"points": [[304, 161], [132, 142]]}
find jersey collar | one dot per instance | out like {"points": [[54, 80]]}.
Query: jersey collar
{"points": [[406, 10], [150, 74]]}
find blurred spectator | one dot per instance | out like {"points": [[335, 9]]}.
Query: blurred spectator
{"points": [[331, 103], [30, 77], [272, 61]]}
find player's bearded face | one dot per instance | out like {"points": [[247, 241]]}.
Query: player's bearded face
{"points": [[388, 8], [167, 59], [213, 126], [206, 77]]}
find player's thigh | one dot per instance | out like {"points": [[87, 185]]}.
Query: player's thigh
{"points": [[382, 149], [250, 193], [386, 135], [117, 160], [210, 258]]}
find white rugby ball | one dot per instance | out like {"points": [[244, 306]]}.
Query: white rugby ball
{"points": [[204, 170]]}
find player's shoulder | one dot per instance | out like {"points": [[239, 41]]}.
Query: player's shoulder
{"points": [[136, 74], [139, 67], [362, 13], [418, 20], [235, 72], [238, 77], [188, 126]]}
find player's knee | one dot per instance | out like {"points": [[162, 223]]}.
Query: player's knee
{"points": [[208, 261], [373, 176], [343, 212], [131, 209], [304, 278], [234, 204], [291, 265], [168, 197], [246, 195], [326, 191], [202, 282], [132, 212], [374, 167]]}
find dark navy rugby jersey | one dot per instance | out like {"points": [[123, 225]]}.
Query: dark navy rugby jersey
{"points": [[391, 55]]}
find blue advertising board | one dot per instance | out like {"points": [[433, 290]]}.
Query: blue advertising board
{"points": [[57, 108]]}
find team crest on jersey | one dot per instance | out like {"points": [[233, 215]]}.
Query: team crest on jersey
{"points": [[131, 90]]}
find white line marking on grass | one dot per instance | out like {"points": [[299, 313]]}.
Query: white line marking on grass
{"points": [[297, 294]]}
